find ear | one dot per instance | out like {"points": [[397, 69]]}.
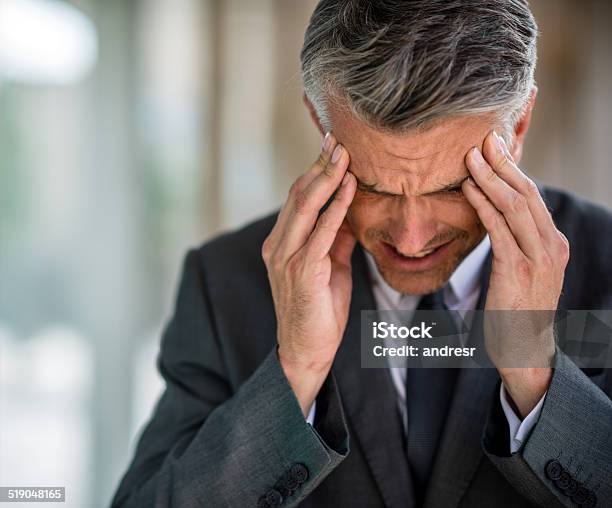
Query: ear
{"points": [[313, 113], [522, 126]]}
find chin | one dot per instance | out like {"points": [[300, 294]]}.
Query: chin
{"points": [[417, 283]]}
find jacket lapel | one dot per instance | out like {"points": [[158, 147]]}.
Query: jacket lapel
{"points": [[460, 449], [370, 401]]}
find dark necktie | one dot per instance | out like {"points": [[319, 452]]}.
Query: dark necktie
{"points": [[428, 395]]}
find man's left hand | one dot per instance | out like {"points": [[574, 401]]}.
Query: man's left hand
{"points": [[529, 259]]}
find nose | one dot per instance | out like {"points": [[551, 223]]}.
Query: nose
{"points": [[412, 227]]}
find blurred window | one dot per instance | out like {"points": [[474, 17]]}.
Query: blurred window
{"points": [[45, 42]]}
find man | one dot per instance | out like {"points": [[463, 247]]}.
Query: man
{"points": [[417, 196]]}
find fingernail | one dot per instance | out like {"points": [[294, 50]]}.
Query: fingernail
{"points": [[498, 141], [326, 142], [477, 156], [505, 148], [346, 178], [337, 153], [469, 181]]}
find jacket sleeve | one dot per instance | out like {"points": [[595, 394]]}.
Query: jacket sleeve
{"points": [[567, 458], [207, 446]]}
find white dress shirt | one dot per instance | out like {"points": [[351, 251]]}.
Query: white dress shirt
{"points": [[460, 294]]}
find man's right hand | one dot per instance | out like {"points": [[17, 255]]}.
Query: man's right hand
{"points": [[308, 258]]}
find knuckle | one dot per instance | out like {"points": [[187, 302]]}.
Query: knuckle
{"points": [[518, 203], [322, 160], [325, 221], [496, 219], [563, 247], [567, 254], [301, 202], [502, 162], [563, 239], [530, 188], [523, 268], [294, 266], [545, 262], [276, 263], [500, 221], [328, 170], [491, 218], [296, 187], [266, 249], [491, 175]]}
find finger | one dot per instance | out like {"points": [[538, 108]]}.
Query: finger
{"points": [[343, 245], [299, 185], [340, 255], [495, 148], [328, 224], [305, 212], [503, 242], [509, 202]]}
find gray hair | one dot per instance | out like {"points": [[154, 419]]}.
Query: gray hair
{"points": [[401, 65]]}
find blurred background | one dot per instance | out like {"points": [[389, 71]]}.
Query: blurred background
{"points": [[131, 130]]}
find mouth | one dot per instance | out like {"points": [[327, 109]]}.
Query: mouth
{"points": [[420, 261]]}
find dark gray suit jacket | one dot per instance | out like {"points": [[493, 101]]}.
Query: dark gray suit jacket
{"points": [[228, 430]]}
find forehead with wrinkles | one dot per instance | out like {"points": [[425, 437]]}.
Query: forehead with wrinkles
{"points": [[412, 163]]}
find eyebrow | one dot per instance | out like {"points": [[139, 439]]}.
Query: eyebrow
{"points": [[373, 187], [456, 183]]}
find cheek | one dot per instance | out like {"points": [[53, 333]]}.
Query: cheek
{"points": [[365, 213], [463, 217], [459, 214]]}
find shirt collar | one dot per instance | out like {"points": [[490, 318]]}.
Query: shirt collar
{"points": [[463, 281]]}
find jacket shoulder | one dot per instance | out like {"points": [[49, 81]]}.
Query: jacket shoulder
{"points": [[572, 211], [588, 228], [587, 225], [238, 248]]}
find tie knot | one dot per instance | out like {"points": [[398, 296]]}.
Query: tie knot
{"points": [[432, 301]]}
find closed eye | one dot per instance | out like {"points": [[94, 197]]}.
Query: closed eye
{"points": [[369, 189], [454, 190]]}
